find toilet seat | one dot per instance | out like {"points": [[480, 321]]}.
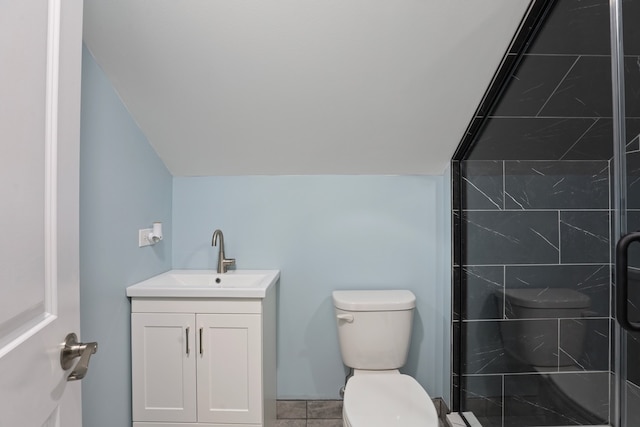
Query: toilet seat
{"points": [[384, 400]]}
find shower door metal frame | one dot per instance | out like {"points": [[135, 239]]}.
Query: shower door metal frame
{"points": [[527, 30], [619, 203]]}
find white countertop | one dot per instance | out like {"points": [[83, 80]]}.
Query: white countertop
{"points": [[206, 284]]}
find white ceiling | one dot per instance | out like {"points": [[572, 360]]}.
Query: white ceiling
{"points": [[250, 87]]}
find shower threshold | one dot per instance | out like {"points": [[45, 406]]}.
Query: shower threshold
{"points": [[455, 420]]}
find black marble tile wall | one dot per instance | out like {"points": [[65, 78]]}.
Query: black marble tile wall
{"points": [[483, 288], [554, 399], [531, 138], [511, 237], [594, 144], [584, 344], [585, 90], [630, 14], [483, 394], [575, 27], [556, 185], [484, 350], [533, 225], [633, 182], [633, 347], [592, 280], [584, 237], [560, 138], [532, 84], [632, 127], [483, 184], [632, 85], [633, 404]]}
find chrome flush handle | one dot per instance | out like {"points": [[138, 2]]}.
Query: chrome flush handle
{"points": [[74, 349]]}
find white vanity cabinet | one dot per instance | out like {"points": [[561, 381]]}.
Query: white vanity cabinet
{"points": [[204, 362]]}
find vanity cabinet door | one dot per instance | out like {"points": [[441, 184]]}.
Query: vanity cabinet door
{"points": [[163, 357], [230, 368]]}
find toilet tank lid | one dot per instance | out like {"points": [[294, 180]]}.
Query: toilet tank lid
{"points": [[547, 298], [387, 300]]}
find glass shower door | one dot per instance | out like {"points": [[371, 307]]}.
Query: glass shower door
{"points": [[533, 327], [626, 206], [546, 213]]}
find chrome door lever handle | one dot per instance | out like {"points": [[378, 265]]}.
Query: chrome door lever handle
{"points": [[74, 349]]}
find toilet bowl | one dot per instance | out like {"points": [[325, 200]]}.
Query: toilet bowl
{"points": [[374, 330], [379, 399]]}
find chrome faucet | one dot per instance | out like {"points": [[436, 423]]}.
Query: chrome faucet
{"points": [[223, 263]]}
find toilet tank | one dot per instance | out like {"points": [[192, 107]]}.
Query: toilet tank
{"points": [[374, 327]]}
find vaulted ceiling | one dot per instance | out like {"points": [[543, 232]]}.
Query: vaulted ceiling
{"points": [[249, 87]]}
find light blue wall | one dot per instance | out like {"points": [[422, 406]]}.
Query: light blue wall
{"points": [[322, 232], [326, 233], [123, 187]]}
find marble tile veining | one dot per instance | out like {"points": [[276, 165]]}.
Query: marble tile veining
{"points": [[533, 138], [513, 237], [585, 91], [532, 83], [483, 185], [483, 287], [584, 237], [586, 354], [574, 28], [557, 185], [591, 280]]}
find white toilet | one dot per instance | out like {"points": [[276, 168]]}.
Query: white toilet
{"points": [[374, 329]]}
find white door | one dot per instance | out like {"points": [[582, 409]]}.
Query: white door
{"points": [[40, 66]]}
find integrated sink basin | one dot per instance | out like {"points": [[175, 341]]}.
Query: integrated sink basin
{"points": [[206, 284]]}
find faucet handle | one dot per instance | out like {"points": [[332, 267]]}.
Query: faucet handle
{"points": [[226, 263]]}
